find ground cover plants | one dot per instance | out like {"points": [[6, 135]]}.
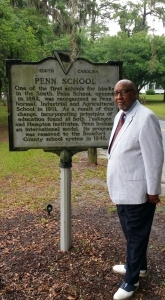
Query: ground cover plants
{"points": [[31, 263]]}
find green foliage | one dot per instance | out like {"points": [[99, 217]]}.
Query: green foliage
{"points": [[3, 115], [134, 51], [159, 45], [29, 35], [150, 92], [61, 43], [24, 35]]}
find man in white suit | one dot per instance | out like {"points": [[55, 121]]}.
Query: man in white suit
{"points": [[135, 161]]}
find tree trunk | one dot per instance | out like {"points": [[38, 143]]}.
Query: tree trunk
{"points": [[144, 17], [164, 96], [92, 155]]}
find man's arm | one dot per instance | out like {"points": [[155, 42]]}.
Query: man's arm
{"points": [[153, 156]]}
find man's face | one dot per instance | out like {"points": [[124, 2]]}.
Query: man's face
{"points": [[126, 97]]}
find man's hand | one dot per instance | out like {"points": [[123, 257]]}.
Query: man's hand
{"points": [[153, 198]]}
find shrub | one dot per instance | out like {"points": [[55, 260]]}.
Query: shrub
{"points": [[150, 92]]}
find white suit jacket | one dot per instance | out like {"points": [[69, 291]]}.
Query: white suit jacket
{"points": [[136, 158]]}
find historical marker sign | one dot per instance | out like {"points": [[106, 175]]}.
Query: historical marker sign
{"points": [[55, 104]]}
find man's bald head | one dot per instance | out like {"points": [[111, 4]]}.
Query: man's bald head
{"points": [[127, 83]]}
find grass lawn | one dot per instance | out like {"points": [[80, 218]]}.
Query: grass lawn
{"points": [[156, 97], [157, 107], [32, 176], [31, 179], [156, 104]]}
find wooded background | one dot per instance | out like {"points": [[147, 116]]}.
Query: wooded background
{"points": [[31, 29]]}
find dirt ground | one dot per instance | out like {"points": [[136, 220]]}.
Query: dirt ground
{"points": [[33, 267]]}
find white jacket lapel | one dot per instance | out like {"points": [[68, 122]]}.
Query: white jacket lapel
{"points": [[127, 122]]}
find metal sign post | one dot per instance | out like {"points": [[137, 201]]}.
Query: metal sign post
{"points": [[65, 202]]}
